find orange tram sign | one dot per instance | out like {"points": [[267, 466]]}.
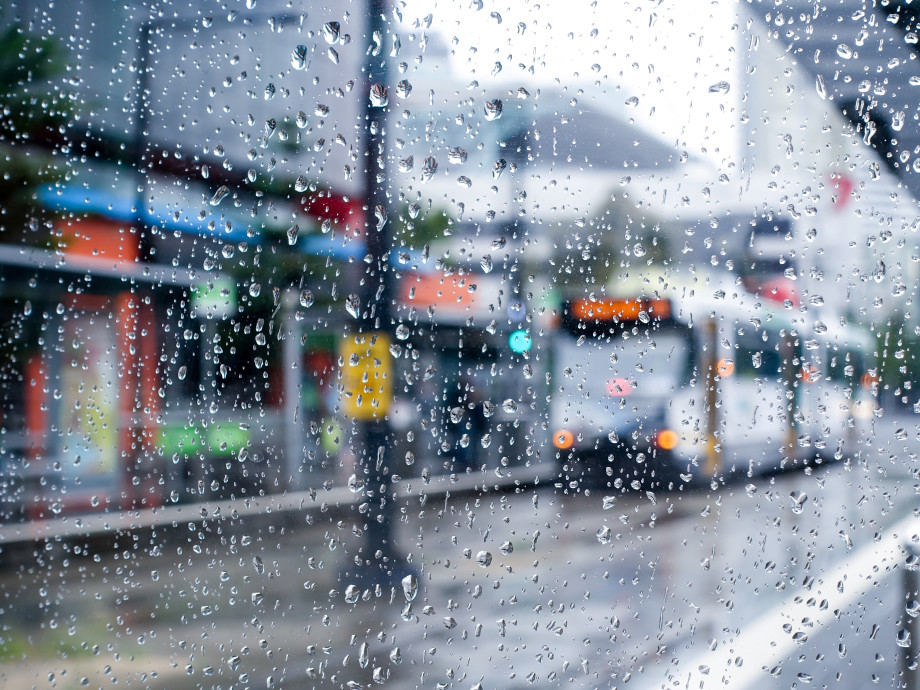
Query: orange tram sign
{"points": [[610, 309]]}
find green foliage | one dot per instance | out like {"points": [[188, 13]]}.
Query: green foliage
{"points": [[413, 227], [596, 251], [899, 358], [30, 105]]}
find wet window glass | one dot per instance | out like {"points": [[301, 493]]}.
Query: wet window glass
{"points": [[459, 345]]}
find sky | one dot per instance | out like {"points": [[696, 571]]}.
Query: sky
{"points": [[659, 60]]}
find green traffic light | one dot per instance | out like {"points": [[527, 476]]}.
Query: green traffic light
{"points": [[520, 341]]}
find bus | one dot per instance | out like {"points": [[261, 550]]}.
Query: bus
{"points": [[676, 383]]}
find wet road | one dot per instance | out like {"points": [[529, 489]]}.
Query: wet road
{"points": [[529, 589]]}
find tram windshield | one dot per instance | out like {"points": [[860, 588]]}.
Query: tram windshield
{"points": [[646, 364]]}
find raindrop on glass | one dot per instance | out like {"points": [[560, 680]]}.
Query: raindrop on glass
{"points": [[331, 32], [493, 109], [456, 155], [403, 88], [410, 587], [429, 168], [353, 305], [299, 57], [379, 96], [221, 194]]}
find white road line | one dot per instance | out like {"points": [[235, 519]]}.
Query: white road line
{"points": [[763, 643]]}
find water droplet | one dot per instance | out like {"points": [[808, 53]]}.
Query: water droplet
{"points": [[484, 559], [363, 655], [820, 87], [493, 109], [720, 87], [331, 32], [498, 168], [258, 565], [182, 373], [380, 214], [506, 548], [456, 155], [609, 502], [352, 592], [464, 181], [353, 305], [405, 164], [395, 655], [333, 55], [410, 587], [269, 91], [292, 234], [429, 168], [306, 298], [221, 194], [402, 331], [844, 51], [486, 264], [301, 184], [379, 95], [326, 225], [403, 88], [299, 57], [604, 535], [798, 499], [255, 289], [509, 405], [355, 483]]}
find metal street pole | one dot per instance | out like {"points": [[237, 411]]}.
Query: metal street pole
{"points": [[379, 561]]}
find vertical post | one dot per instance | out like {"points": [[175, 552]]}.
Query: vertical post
{"points": [[910, 647], [145, 245], [379, 559], [710, 364], [792, 375], [292, 420]]}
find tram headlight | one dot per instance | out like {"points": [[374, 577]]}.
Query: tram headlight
{"points": [[563, 439], [666, 439]]}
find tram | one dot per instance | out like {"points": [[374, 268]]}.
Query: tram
{"points": [[677, 382]]}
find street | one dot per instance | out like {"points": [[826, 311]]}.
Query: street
{"points": [[530, 588]]}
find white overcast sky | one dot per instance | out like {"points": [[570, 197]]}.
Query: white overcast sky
{"points": [[667, 53]]}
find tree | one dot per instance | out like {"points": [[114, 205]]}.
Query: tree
{"points": [[31, 107]]}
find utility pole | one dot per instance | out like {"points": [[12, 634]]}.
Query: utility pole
{"points": [[370, 382]]}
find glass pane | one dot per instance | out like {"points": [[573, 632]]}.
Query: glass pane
{"points": [[458, 345]]}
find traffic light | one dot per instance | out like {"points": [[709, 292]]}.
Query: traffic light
{"points": [[520, 341]]}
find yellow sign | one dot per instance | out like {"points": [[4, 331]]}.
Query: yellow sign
{"points": [[366, 376]]}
